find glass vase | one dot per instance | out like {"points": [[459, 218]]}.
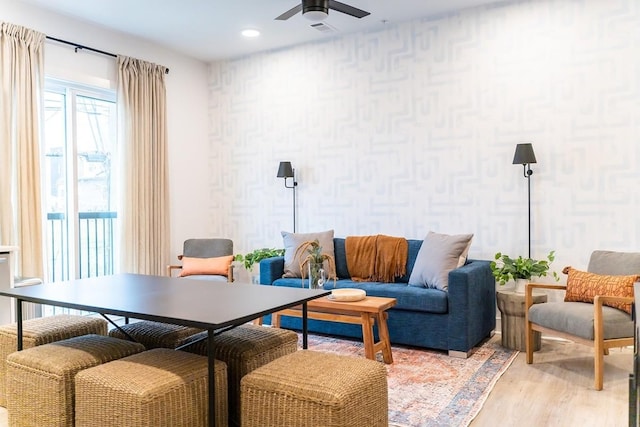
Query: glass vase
{"points": [[316, 275]]}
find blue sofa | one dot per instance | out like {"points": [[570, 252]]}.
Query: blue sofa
{"points": [[455, 320]]}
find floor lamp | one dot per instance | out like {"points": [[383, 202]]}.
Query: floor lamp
{"points": [[525, 156], [286, 171]]}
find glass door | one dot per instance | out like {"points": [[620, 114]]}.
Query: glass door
{"points": [[79, 147]]}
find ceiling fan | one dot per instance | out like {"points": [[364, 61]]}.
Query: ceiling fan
{"points": [[318, 10]]}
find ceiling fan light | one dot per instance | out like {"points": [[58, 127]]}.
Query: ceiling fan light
{"points": [[315, 15]]}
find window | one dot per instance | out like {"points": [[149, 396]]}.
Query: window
{"points": [[79, 179]]}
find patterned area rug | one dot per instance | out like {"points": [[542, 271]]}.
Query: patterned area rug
{"points": [[428, 388]]}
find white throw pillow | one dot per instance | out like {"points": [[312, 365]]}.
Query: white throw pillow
{"points": [[438, 255], [291, 243]]}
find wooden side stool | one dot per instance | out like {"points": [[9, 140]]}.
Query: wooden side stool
{"points": [[40, 380], [309, 388], [44, 330], [155, 388], [156, 334], [245, 349]]}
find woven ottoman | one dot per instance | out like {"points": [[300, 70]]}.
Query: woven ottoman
{"points": [[244, 349], [40, 380], [44, 330], [310, 388], [156, 334], [156, 388]]}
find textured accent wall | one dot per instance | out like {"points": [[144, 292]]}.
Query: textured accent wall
{"points": [[413, 128]]}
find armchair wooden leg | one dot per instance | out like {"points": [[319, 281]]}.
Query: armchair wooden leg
{"points": [[598, 365], [598, 343], [528, 332], [528, 342]]}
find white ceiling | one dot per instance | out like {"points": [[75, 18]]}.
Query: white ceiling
{"points": [[210, 29]]}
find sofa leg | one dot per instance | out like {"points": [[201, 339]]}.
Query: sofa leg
{"points": [[459, 354]]}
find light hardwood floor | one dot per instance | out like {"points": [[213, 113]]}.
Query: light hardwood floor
{"points": [[556, 390]]}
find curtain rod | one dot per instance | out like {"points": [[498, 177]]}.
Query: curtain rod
{"points": [[79, 46]]}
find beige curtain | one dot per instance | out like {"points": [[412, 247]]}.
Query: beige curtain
{"points": [[144, 222], [22, 76]]}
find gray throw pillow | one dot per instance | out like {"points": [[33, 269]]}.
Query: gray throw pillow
{"points": [[291, 243], [438, 255]]}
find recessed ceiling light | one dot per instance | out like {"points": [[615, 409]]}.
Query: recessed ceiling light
{"points": [[250, 33]]}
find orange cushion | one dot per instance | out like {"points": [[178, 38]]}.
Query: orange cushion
{"points": [[218, 265], [583, 287]]}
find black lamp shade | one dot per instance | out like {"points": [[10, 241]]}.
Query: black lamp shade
{"points": [[285, 170], [524, 155]]}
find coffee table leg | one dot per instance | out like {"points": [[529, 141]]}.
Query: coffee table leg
{"points": [[212, 378], [305, 344], [19, 325], [383, 331], [367, 336]]}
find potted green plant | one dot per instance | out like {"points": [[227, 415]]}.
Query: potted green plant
{"points": [[521, 270], [254, 257]]}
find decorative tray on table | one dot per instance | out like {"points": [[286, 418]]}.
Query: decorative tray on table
{"points": [[347, 294]]}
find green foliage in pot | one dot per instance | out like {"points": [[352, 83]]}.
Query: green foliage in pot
{"points": [[257, 255], [505, 268]]}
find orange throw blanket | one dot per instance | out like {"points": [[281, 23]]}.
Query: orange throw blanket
{"points": [[376, 258]]}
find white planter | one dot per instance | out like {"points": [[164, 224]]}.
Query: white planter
{"points": [[520, 285]]}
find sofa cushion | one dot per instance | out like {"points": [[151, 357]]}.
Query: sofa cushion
{"points": [[583, 287], [291, 243], [407, 297], [438, 255]]}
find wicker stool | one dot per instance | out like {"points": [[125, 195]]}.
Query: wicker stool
{"points": [[43, 331], [309, 388], [40, 380], [156, 388], [244, 349], [156, 334]]}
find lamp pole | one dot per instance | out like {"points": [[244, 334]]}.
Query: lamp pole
{"points": [[295, 187], [527, 174]]}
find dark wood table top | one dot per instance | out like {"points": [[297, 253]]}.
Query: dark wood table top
{"points": [[198, 303]]}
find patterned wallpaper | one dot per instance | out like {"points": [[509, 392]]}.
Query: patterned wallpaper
{"points": [[413, 128]]}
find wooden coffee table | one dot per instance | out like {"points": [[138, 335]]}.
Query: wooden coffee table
{"points": [[365, 312]]}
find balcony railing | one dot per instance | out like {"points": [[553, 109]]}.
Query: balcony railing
{"points": [[95, 256]]}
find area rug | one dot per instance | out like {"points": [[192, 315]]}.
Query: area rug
{"points": [[428, 388]]}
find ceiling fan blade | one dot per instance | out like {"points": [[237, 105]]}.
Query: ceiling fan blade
{"points": [[349, 10], [289, 13]]}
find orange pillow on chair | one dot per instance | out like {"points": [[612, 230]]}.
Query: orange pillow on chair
{"points": [[583, 287], [218, 265]]}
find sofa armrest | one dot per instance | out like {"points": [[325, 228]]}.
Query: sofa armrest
{"points": [[271, 269], [472, 305]]}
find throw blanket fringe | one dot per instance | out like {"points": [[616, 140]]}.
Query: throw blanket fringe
{"points": [[376, 258]]}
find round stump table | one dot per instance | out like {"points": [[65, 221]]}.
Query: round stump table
{"points": [[512, 322]]}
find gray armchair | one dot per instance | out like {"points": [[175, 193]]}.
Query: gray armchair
{"points": [[218, 254], [597, 325]]}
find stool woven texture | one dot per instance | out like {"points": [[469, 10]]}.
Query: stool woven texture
{"points": [[309, 389], [40, 380], [156, 388], [245, 349], [156, 334], [40, 331]]}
